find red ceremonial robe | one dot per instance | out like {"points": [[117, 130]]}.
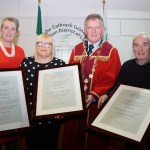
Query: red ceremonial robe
{"points": [[99, 72]]}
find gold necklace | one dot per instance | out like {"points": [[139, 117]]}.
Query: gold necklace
{"points": [[12, 54]]}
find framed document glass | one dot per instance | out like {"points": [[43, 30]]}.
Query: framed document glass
{"points": [[13, 108], [127, 113], [58, 92]]}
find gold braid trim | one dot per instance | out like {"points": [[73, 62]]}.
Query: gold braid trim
{"points": [[102, 58], [80, 57]]}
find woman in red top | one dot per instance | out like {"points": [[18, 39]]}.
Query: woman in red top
{"points": [[11, 56]]}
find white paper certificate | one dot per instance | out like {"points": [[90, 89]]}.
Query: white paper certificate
{"points": [[13, 110], [58, 91], [127, 113]]}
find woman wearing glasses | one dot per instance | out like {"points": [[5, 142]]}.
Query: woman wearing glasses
{"points": [[45, 132]]}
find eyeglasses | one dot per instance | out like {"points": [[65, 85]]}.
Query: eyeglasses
{"points": [[42, 44]]}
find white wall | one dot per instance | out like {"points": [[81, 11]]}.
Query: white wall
{"points": [[122, 24]]}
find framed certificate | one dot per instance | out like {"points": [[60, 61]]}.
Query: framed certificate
{"points": [[126, 114], [13, 108], [59, 92]]}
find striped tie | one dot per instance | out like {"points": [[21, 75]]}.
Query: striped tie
{"points": [[90, 49]]}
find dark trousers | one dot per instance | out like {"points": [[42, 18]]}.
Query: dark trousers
{"points": [[43, 137]]}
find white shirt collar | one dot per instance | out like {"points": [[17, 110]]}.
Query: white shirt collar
{"points": [[95, 45]]}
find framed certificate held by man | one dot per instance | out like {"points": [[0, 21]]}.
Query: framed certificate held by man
{"points": [[13, 108], [126, 114], [58, 92]]}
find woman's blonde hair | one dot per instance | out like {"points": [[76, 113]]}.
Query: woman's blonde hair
{"points": [[12, 19], [47, 37]]}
